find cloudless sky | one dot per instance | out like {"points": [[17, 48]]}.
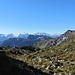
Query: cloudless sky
{"points": [[50, 16]]}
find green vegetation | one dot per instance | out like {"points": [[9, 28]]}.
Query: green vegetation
{"points": [[8, 66], [58, 60]]}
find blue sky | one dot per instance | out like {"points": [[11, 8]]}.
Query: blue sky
{"points": [[50, 16]]}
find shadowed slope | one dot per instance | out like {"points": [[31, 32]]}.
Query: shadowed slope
{"points": [[9, 66]]}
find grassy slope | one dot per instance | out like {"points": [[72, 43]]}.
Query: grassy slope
{"points": [[11, 66], [59, 59], [8, 67]]}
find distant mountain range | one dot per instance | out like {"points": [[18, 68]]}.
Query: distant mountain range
{"points": [[6, 37], [45, 34], [26, 41], [56, 41], [41, 40]]}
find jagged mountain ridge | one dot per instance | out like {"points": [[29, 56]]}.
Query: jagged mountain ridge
{"points": [[27, 41], [35, 39], [51, 35], [4, 37], [53, 42]]}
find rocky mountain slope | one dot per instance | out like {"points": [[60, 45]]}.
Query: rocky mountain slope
{"points": [[58, 60], [53, 42]]}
